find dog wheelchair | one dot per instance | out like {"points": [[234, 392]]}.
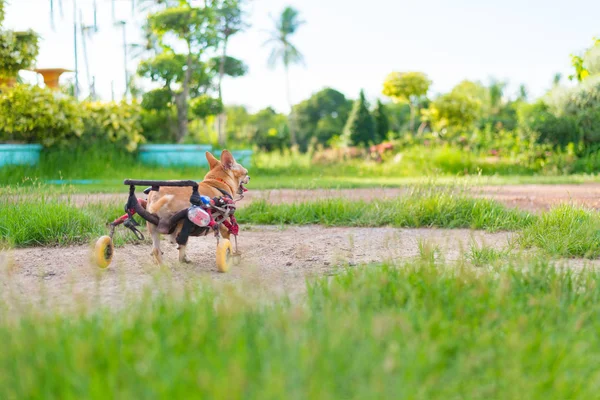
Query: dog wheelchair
{"points": [[204, 215]]}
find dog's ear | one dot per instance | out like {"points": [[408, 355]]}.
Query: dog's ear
{"points": [[212, 161], [227, 159]]}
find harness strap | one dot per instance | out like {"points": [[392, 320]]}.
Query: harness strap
{"points": [[224, 192]]}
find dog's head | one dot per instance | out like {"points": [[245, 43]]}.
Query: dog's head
{"points": [[228, 171]]}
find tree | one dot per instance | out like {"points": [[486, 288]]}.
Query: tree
{"points": [[458, 110], [382, 121], [587, 65], [18, 50], [322, 116], [230, 21], [269, 130], [182, 74], [285, 52], [410, 87], [360, 127], [591, 58]]}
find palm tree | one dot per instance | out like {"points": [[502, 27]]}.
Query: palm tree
{"points": [[285, 52]]}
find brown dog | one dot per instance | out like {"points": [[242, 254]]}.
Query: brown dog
{"points": [[226, 175]]}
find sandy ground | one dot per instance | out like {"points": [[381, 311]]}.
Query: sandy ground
{"points": [[533, 198], [275, 261]]}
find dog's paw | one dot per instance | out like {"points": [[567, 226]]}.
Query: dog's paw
{"points": [[185, 260], [157, 256]]}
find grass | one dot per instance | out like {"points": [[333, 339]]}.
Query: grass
{"points": [[429, 207], [416, 331], [29, 219], [484, 255], [32, 216], [103, 170], [565, 231]]}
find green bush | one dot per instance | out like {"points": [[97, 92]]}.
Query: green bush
{"points": [[159, 126], [552, 129], [118, 123], [18, 50], [32, 114]]}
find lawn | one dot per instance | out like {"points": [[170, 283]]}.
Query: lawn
{"points": [[420, 330], [96, 170]]}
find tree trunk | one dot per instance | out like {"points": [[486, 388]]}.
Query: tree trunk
{"points": [[181, 101], [289, 99], [221, 118]]}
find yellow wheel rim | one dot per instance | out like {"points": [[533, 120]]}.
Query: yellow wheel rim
{"points": [[224, 255], [104, 251]]}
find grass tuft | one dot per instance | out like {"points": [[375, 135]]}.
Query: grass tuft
{"points": [[425, 207], [484, 255], [565, 231]]}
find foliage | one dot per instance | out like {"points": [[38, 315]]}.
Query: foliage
{"points": [[283, 50], [119, 123], [229, 19], [18, 50], [231, 66], [191, 25], [269, 130], [159, 125], [322, 116], [410, 87], [591, 59], [551, 129], [157, 99], [399, 116], [382, 121], [32, 114], [584, 105], [454, 112], [360, 127], [587, 65], [204, 106], [183, 74]]}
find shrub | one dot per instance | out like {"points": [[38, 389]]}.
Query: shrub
{"points": [[119, 123], [18, 50], [32, 114], [552, 129]]}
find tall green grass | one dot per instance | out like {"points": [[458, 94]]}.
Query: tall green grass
{"points": [[106, 168], [419, 331], [566, 231], [36, 216], [429, 207]]}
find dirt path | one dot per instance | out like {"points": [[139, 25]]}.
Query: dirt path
{"points": [[275, 261], [528, 197]]}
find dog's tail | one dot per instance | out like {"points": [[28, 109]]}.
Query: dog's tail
{"points": [[158, 204]]}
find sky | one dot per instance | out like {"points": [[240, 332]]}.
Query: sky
{"points": [[348, 45]]}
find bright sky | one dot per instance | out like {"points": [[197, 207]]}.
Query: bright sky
{"points": [[351, 44]]}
